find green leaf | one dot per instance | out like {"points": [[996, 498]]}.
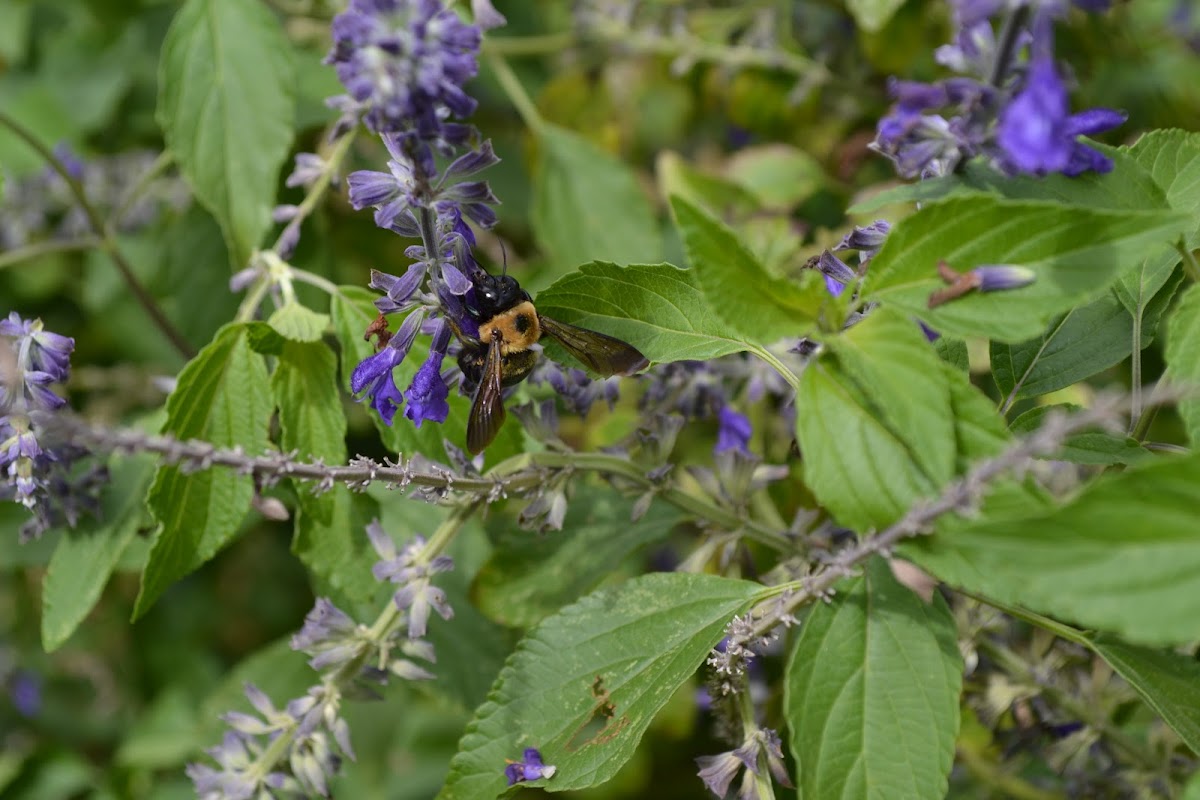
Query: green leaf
{"points": [[222, 397], [1128, 186], [871, 692], [299, 323], [91, 70], [630, 647], [1090, 447], [875, 422], [529, 577], [779, 176], [718, 196], [1169, 683], [953, 352], [304, 386], [764, 308], [87, 554], [1081, 343], [195, 264], [979, 430], [330, 535], [1123, 556], [1183, 357], [1076, 254], [658, 308], [588, 206], [14, 36], [225, 105], [873, 15], [926, 191], [1172, 157]]}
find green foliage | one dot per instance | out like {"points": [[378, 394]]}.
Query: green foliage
{"points": [[732, 280], [221, 396], [225, 105], [1076, 252], [1121, 557], [758, 469], [85, 557], [630, 647], [658, 308], [588, 205], [872, 692], [525, 580]]}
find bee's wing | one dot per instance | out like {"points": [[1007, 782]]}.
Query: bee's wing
{"points": [[602, 354], [487, 409]]}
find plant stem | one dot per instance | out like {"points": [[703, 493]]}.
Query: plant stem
{"points": [[540, 45], [516, 92], [38, 249], [108, 242], [315, 192]]}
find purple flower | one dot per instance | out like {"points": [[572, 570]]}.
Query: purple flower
{"points": [[25, 690], [404, 62], [428, 392], [71, 162], [38, 350], [329, 635], [530, 768], [374, 373], [309, 167], [733, 432], [761, 748], [398, 290], [1000, 277]]}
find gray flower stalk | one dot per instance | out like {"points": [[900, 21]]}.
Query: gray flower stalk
{"points": [[297, 751]]}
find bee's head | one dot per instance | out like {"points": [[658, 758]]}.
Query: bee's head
{"points": [[496, 293]]}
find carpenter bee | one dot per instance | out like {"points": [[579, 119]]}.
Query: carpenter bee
{"points": [[502, 355]]}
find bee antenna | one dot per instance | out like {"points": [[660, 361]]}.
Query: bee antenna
{"points": [[504, 254]]}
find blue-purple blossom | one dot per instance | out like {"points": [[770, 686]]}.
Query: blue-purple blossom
{"points": [[428, 392], [404, 63], [33, 473], [1001, 277], [411, 569], [308, 168], [374, 374], [25, 691], [1016, 116], [1038, 134], [760, 752], [529, 768], [733, 431]]}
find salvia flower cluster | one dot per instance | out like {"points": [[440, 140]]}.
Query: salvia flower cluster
{"points": [[297, 750], [1008, 103], [404, 64], [33, 471]]}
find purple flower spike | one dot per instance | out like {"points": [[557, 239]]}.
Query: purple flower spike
{"points": [[529, 769]]}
